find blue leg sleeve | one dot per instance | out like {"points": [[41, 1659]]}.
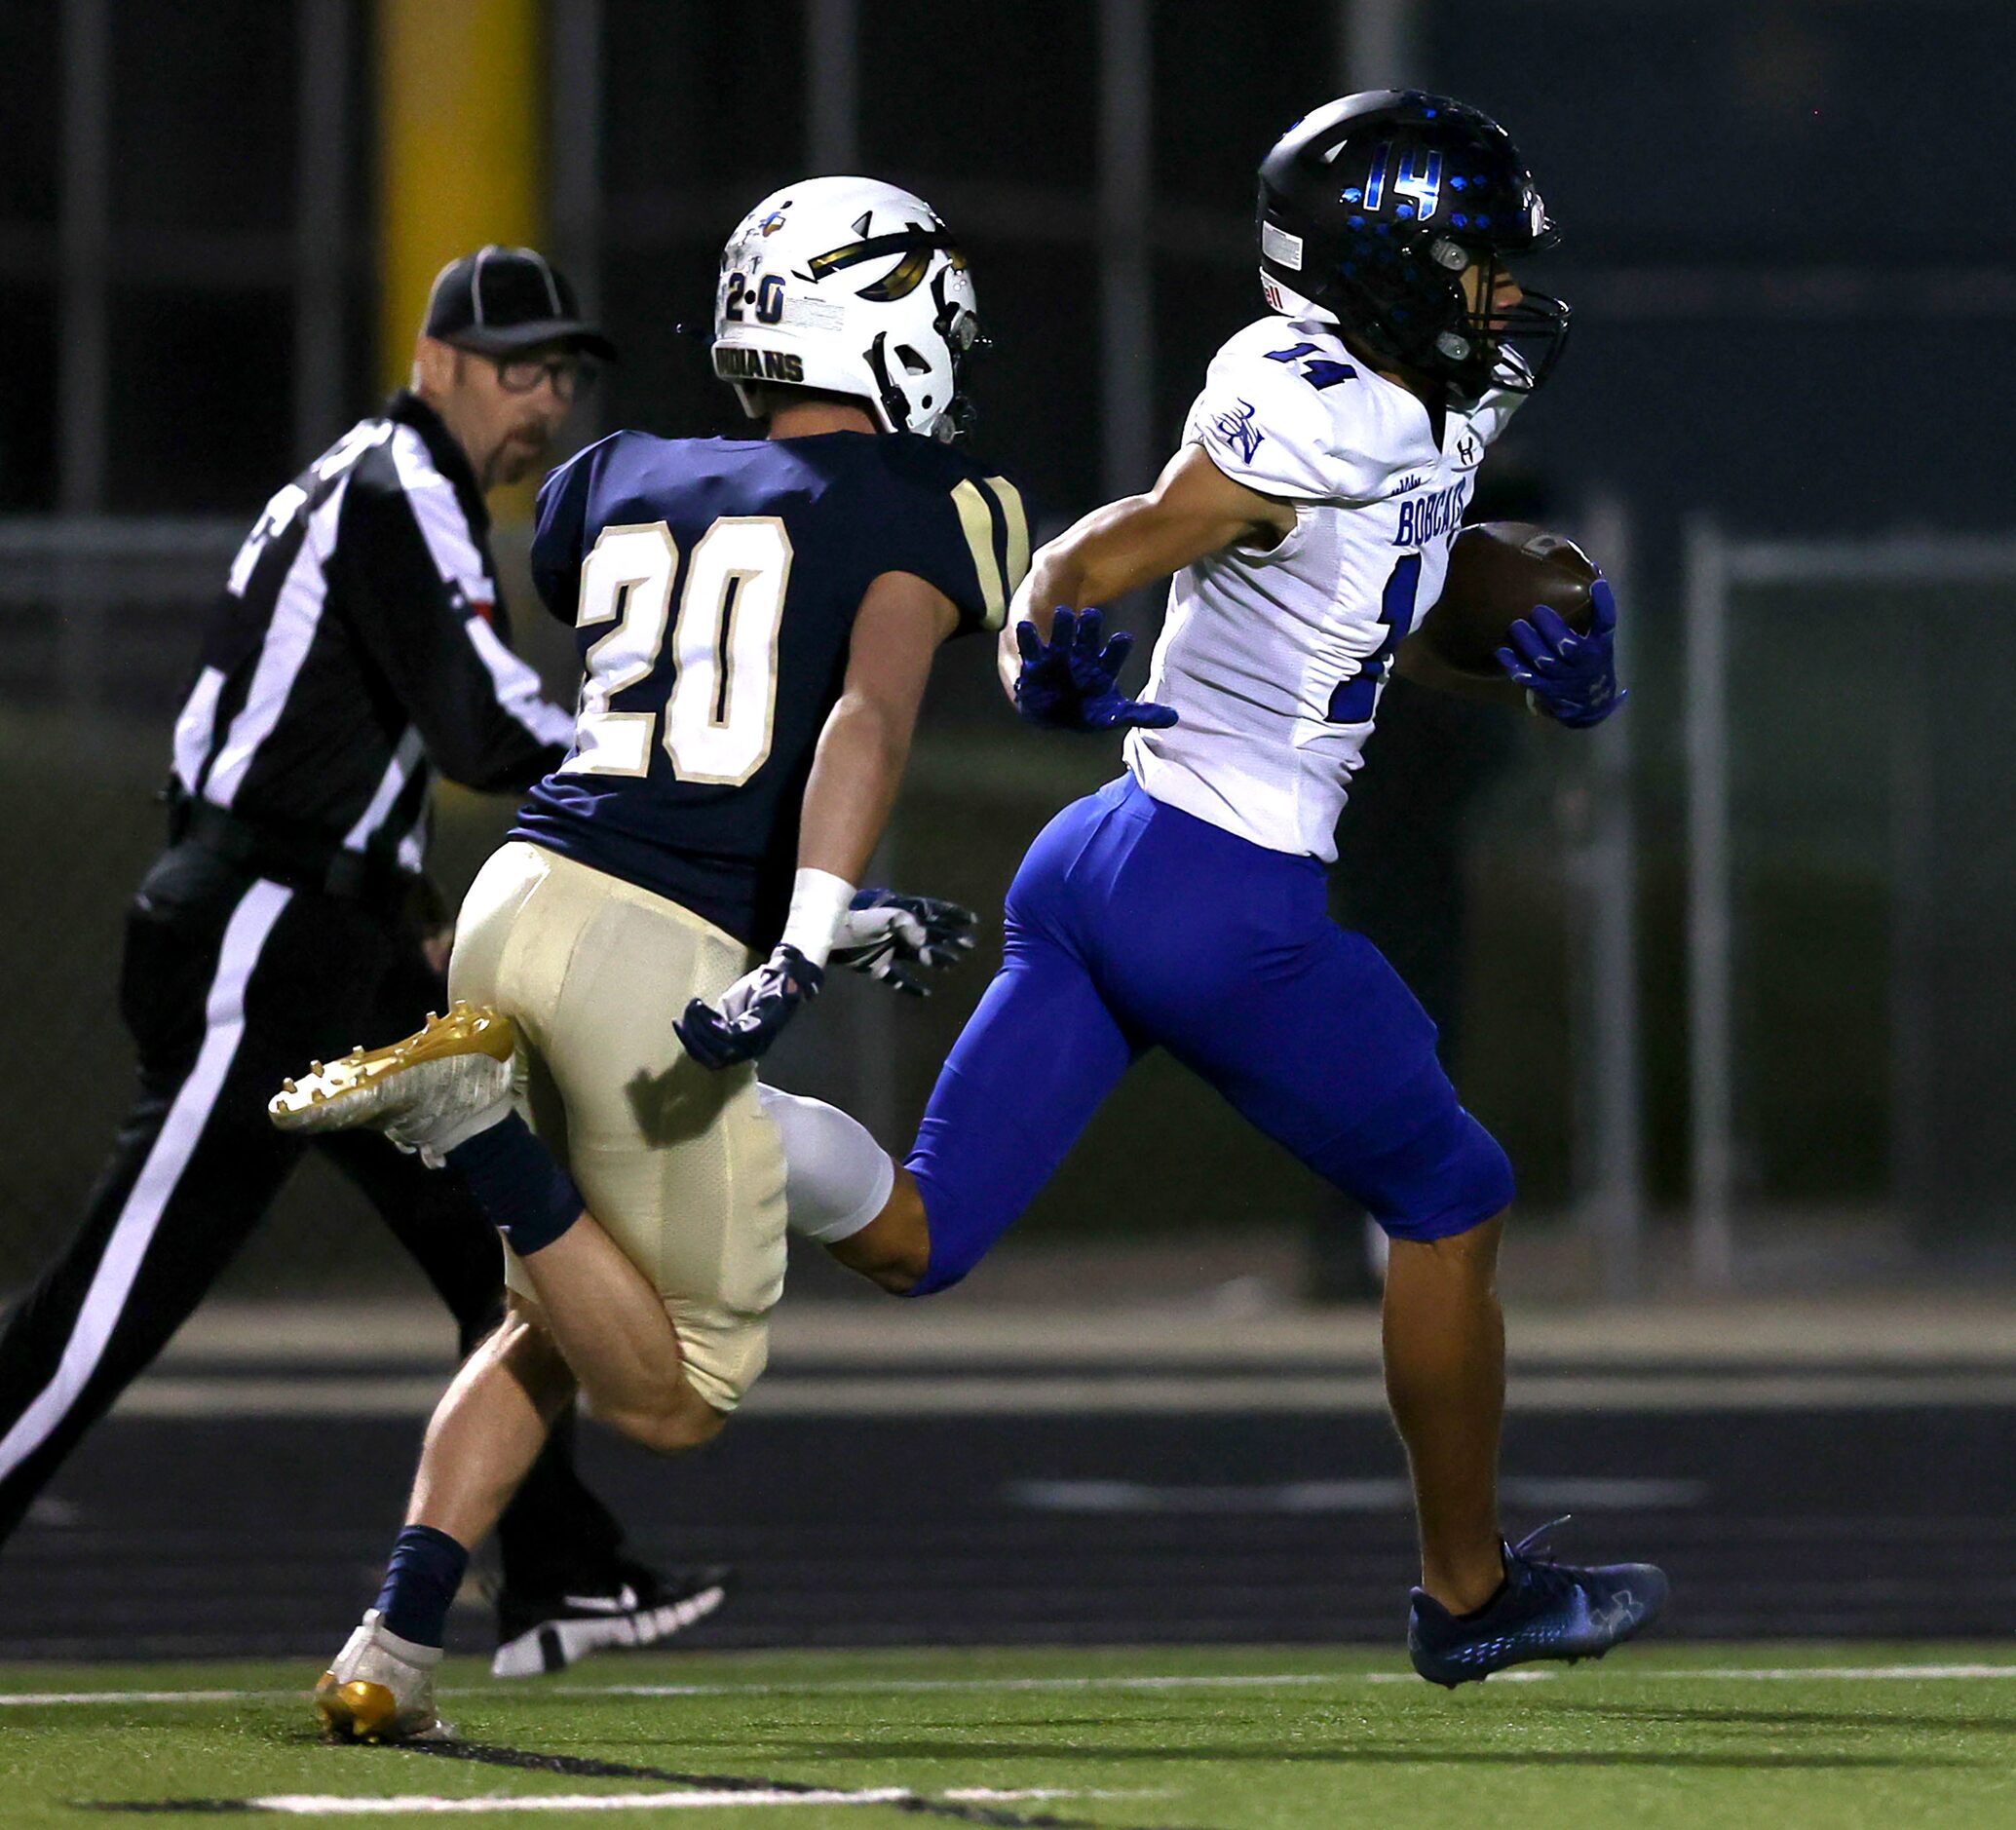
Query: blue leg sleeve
{"points": [[1028, 1071]]}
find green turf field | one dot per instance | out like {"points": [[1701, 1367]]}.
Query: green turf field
{"points": [[1175, 1738]]}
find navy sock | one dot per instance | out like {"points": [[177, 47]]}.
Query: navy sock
{"points": [[420, 1581], [529, 1198]]}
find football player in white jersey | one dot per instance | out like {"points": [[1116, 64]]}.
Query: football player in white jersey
{"points": [[1306, 521]]}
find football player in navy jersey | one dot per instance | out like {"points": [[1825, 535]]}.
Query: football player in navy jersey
{"points": [[757, 618]]}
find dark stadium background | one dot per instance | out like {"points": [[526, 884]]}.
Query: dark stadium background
{"points": [[1789, 240]]}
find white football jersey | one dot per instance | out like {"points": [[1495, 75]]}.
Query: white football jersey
{"points": [[1274, 660]]}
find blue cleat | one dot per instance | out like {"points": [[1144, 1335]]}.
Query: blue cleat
{"points": [[1545, 1610]]}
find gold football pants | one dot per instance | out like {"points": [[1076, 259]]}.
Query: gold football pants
{"points": [[678, 1164]]}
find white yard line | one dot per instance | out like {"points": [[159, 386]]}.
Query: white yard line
{"points": [[874, 1687], [890, 1687], [1840, 1673], [434, 1804], [331, 1805]]}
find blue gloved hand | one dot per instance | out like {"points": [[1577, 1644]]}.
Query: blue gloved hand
{"points": [[751, 1014], [1067, 684], [888, 936], [1572, 678]]}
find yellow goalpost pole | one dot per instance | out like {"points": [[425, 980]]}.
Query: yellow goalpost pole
{"points": [[460, 115]]}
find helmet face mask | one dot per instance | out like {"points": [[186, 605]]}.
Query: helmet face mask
{"points": [[1371, 211], [1480, 347], [849, 286]]}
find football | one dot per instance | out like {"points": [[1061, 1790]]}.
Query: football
{"points": [[1498, 572]]}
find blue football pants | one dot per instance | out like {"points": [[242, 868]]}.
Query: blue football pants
{"points": [[1131, 925]]}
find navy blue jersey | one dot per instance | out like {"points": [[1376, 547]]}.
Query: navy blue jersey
{"points": [[712, 584]]}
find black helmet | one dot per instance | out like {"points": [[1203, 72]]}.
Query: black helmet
{"points": [[1370, 209]]}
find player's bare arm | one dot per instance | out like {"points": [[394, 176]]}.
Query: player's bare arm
{"points": [[856, 770], [865, 744], [1194, 509]]}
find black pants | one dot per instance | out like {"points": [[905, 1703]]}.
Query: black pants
{"points": [[229, 982]]}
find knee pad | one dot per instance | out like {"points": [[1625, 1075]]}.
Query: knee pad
{"points": [[837, 1177]]}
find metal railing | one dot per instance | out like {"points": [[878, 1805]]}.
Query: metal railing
{"points": [[1895, 587]]}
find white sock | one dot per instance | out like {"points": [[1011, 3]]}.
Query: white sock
{"points": [[410, 1651], [836, 1176]]}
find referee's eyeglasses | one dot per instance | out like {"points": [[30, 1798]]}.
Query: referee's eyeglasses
{"points": [[570, 372]]}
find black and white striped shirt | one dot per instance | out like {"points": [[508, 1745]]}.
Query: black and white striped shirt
{"points": [[360, 645]]}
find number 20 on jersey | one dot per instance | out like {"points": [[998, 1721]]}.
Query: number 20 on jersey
{"points": [[721, 705]]}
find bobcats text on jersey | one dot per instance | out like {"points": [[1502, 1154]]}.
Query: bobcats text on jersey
{"points": [[1424, 519]]}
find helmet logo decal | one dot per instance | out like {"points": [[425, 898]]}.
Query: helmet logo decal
{"points": [[1375, 182], [1421, 181], [916, 246], [901, 280]]}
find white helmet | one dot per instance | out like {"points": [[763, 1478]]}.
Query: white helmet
{"points": [[853, 287]]}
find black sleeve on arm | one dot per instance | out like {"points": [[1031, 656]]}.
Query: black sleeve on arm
{"points": [[478, 708]]}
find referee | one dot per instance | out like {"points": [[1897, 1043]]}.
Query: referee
{"points": [[358, 647]]}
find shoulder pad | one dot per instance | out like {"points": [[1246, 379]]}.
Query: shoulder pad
{"points": [[969, 528], [1288, 411]]}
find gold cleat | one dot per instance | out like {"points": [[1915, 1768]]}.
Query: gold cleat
{"points": [[355, 1711], [380, 1688], [456, 1065]]}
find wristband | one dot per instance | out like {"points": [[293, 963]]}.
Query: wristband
{"points": [[818, 902]]}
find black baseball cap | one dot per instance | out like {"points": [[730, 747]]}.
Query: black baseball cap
{"points": [[499, 300]]}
